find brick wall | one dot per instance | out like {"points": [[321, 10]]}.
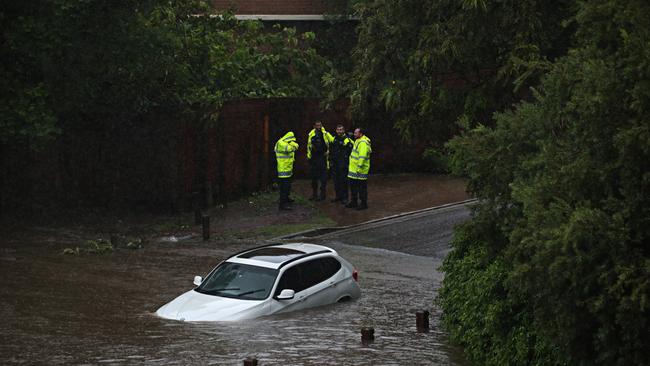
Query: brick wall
{"points": [[284, 7]]}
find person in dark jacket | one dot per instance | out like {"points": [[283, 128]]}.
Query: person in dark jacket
{"points": [[318, 141], [340, 150]]}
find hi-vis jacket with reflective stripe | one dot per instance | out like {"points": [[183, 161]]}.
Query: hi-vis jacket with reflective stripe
{"points": [[359, 166], [326, 136], [285, 151]]}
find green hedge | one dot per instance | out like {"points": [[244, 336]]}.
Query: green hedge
{"points": [[554, 267]]}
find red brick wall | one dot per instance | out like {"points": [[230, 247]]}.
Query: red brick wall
{"points": [[284, 7]]}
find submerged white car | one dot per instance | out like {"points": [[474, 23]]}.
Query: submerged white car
{"points": [[267, 280]]}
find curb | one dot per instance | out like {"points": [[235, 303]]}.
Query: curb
{"points": [[325, 231]]}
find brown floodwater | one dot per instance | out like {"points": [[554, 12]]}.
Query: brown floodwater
{"points": [[98, 309]]}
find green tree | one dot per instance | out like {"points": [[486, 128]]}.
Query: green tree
{"points": [[554, 267], [427, 64], [70, 64], [101, 88]]}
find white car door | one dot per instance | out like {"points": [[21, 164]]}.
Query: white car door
{"points": [[314, 284], [325, 284], [290, 279]]}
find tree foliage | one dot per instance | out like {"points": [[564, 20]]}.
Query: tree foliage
{"points": [[429, 64], [70, 64], [554, 267], [100, 100]]}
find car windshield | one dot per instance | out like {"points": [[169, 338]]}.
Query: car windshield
{"points": [[239, 281]]}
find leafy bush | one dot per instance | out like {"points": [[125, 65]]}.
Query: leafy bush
{"points": [[95, 96], [437, 161], [554, 268], [427, 64], [73, 65]]}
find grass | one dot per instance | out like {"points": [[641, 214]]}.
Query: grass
{"points": [[273, 231], [263, 203]]}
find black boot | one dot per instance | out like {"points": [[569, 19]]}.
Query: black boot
{"points": [[314, 190], [314, 196], [351, 204]]}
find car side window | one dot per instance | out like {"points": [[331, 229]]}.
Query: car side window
{"points": [[320, 270], [330, 267], [291, 279], [305, 275]]}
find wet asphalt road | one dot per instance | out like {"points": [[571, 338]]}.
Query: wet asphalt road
{"points": [[426, 233]]}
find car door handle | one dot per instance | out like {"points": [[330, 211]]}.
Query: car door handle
{"points": [[332, 284]]}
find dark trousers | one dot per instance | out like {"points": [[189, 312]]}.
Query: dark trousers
{"points": [[359, 190], [340, 178], [318, 174], [285, 189]]}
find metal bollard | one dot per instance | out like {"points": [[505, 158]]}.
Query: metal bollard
{"points": [[197, 216], [367, 335], [422, 321], [196, 205], [250, 361], [205, 221]]}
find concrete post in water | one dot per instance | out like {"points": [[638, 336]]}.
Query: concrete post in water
{"points": [[422, 321], [367, 335], [250, 361], [205, 220]]}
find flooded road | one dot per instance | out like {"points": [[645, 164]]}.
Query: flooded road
{"points": [[97, 309]]}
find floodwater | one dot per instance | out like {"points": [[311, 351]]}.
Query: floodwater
{"points": [[97, 309]]}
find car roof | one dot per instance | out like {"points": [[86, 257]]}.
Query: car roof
{"points": [[277, 255]]}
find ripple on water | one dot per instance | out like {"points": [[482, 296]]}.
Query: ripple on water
{"points": [[116, 324]]}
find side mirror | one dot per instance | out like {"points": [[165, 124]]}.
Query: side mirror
{"points": [[286, 295], [198, 280]]}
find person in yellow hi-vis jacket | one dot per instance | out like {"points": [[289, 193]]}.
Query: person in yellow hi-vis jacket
{"points": [[358, 170], [318, 144], [285, 151]]}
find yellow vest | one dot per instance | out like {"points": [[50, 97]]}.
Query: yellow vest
{"points": [[285, 151], [359, 166], [326, 136]]}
